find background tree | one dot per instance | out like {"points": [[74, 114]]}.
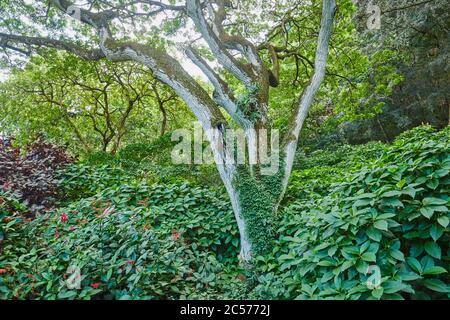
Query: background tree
{"points": [[92, 104]]}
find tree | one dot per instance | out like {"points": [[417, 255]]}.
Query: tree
{"points": [[251, 61], [92, 102]]}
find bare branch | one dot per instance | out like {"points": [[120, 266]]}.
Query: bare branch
{"points": [[7, 39], [240, 71], [307, 97], [165, 68], [222, 94]]}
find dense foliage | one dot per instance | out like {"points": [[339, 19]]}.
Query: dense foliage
{"points": [[86, 105], [132, 240], [129, 241], [391, 215], [93, 206], [30, 176]]}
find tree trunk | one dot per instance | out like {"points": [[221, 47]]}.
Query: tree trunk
{"points": [[164, 119], [253, 192], [254, 202], [448, 106], [256, 197]]}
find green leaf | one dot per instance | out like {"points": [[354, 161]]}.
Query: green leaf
{"points": [[433, 201], [398, 255], [389, 194], [434, 270], [362, 202], [378, 292], [385, 216], [392, 202], [410, 276], [374, 234], [410, 191], [109, 274], [369, 256], [443, 221], [327, 263], [436, 285], [440, 209], [414, 264], [362, 266], [392, 286], [67, 294], [364, 247], [433, 183], [436, 231], [347, 264], [441, 173], [427, 212], [381, 225], [433, 249]]}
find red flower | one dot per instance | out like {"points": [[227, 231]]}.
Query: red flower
{"points": [[175, 235], [130, 262], [3, 271], [71, 228], [63, 217], [95, 285], [30, 276]]}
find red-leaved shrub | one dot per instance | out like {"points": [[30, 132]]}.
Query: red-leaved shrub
{"points": [[29, 175]]}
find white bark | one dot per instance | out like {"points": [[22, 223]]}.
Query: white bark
{"points": [[227, 171], [307, 98], [194, 10]]}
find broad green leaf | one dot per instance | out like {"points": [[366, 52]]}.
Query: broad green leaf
{"points": [[414, 264], [436, 285], [369, 256], [398, 255], [427, 212], [434, 270], [436, 231], [374, 234], [433, 249], [381, 225], [443, 221], [433, 201]]}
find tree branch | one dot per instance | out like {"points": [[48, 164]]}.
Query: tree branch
{"points": [[6, 39], [194, 10], [307, 97], [222, 94]]}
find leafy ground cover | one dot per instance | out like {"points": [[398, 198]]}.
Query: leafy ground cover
{"points": [[351, 215]]}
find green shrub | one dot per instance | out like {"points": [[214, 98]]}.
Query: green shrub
{"points": [[144, 162], [130, 242], [392, 214], [81, 180], [316, 172], [158, 151], [356, 211]]}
